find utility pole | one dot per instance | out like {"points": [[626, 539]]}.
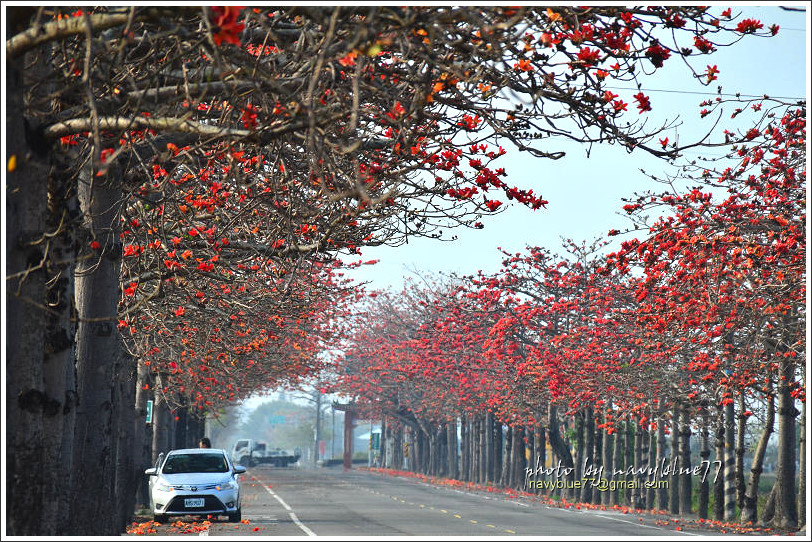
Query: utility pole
{"points": [[318, 426]]}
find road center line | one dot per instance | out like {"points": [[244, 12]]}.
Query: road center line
{"points": [[290, 511]]}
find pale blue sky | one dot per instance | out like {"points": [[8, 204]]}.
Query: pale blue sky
{"points": [[585, 194]]}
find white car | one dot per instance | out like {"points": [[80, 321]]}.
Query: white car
{"points": [[195, 481]]}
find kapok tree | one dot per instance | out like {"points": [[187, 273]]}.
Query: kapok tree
{"points": [[309, 87], [726, 276]]}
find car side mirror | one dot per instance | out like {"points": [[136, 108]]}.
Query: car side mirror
{"points": [[239, 469], [152, 471]]}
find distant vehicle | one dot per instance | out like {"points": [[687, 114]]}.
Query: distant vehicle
{"points": [[195, 481], [249, 453]]}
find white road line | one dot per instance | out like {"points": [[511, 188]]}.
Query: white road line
{"points": [[292, 515]]}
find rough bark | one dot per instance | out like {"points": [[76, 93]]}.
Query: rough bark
{"points": [[629, 448], [126, 475], [589, 461], [59, 367], [617, 463], [518, 458], [25, 215], [597, 454], [704, 456], [558, 445], [802, 470], [451, 436], [741, 426], [685, 484], [673, 485], [504, 479], [730, 463], [749, 508], [786, 510], [489, 447], [662, 458], [97, 351], [719, 455]]}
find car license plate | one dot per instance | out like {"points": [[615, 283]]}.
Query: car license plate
{"points": [[193, 503]]}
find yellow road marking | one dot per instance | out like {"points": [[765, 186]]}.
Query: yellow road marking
{"points": [[510, 531], [457, 516], [444, 511], [473, 521], [491, 526]]}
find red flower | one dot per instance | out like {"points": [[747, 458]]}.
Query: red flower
{"points": [[95, 245], [643, 103], [492, 204], [249, 117], [589, 56], [703, 45], [658, 54], [180, 311], [226, 25], [748, 26]]}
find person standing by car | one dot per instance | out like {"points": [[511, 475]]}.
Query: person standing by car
{"points": [[204, 443]]}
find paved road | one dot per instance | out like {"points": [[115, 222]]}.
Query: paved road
{"points": [[331, 502]]}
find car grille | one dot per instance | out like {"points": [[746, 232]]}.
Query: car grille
{"points": [[188, 487], [210, 504]]}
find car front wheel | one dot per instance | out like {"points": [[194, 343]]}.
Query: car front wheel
{"points": [[160, 518], [236, 517]]}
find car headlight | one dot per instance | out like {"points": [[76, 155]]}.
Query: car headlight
{"points": [[163, 486], [228, 484]]}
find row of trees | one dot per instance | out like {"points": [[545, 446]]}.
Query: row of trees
{"points": [[615, 361], [181, 183]]}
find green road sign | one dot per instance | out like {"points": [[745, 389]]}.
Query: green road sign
{"points": [[375, 441], [149, 411]]}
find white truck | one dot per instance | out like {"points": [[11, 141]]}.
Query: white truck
{"points": [[249, 453]]}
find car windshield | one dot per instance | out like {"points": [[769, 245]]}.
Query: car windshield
{"points": [[183, 463]]}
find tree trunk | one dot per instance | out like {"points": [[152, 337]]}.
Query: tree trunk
{"points": [[579, 448], [617, 464], [704, 456], [597, 454], [662, 459], [685, 484], [786, 511], [126, 475], [719, 455], [160, 423], [558, 445], [673, 486], [98, 349], [639, 465], [26, 248], [504, 479], [749, 509], [142, 434], [802, 469], [730, 463], [654, 478], [518, 458], [397, 447], [741, 426], [608, 464], [483, 449], [451, 436], [489, 447], [630, 463], [498, 445], [589, 461]]}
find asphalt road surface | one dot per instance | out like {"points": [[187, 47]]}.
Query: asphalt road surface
{"points": [[331, 502]]}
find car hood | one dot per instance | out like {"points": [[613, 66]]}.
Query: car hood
{"points": [[197, 478]]}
